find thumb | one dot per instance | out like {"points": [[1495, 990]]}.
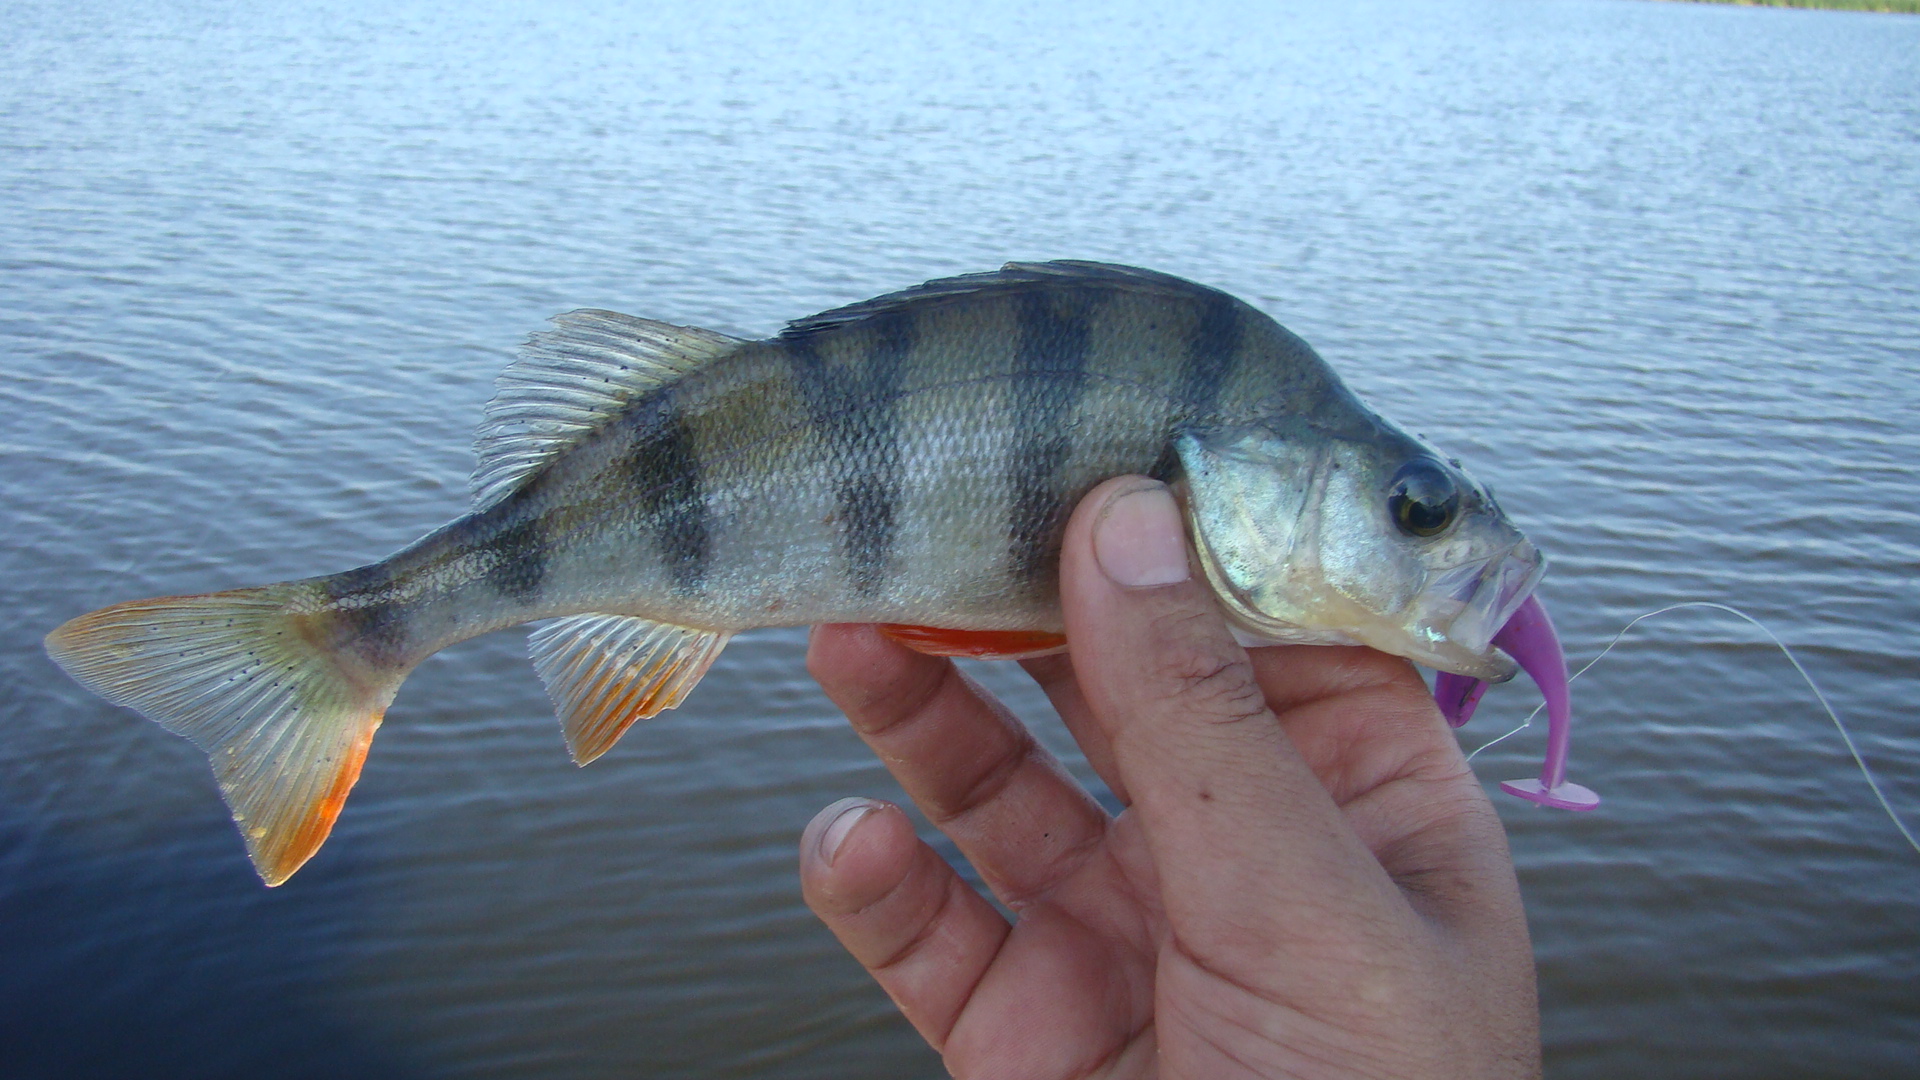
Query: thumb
{"points": [[1235, 819]]}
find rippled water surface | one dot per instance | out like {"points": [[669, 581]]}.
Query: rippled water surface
{"points": [[1652, 269]]}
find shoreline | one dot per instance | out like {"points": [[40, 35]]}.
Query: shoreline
{"points": [[1891, 7]]}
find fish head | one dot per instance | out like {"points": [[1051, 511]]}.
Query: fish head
{"points": [[1364, 536]]}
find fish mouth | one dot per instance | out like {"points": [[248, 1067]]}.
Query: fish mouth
{"points": [[1497, 592], [1487, 594]]}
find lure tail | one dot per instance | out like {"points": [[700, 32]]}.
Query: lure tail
{"points": [[1530, 639], [274, 689]]}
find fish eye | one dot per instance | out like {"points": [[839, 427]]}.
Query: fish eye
{"points": [[1423, 499]]}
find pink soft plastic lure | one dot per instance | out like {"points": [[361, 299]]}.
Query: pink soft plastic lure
{"points": [[1528, 637]]}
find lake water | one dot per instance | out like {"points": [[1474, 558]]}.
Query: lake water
{"points": [[1651, 269]]}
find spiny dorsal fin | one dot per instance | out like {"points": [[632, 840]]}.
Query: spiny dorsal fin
{"points": [[570, 381], [603, 672], [1014, 276]]}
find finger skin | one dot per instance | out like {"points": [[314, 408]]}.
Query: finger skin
{"points": [[923, 934], [1307, 881], [1232, 813], [971, 767], [1265, 789], [1402, 783], [1055, 676]]}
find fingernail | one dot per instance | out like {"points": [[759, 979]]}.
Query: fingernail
{"points": [[1138, 540], [841, 817]]}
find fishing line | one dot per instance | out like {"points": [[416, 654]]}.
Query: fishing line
{"points": [[1845, 735]]}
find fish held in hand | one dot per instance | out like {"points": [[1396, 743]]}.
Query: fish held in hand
{"points": [[646, 490]]}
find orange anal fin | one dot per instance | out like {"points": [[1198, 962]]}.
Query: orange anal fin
{"points": [[979, 644], [606, 671]]}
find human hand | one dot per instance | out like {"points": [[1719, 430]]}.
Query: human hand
{"points": [[1307, 880]]}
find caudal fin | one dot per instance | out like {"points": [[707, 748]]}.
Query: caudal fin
{"points": [[260, 681]]}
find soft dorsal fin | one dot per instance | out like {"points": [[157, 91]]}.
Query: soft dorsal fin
{"points": [[1012, 277], [570, 381], [603, 672]]}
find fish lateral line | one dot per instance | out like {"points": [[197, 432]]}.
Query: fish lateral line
{"points": [[800, 427]]}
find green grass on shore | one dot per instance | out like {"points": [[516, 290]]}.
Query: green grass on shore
{"points": [[1909, 7]]}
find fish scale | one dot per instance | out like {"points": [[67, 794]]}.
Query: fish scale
{"points": [[851, 405], [646, 490]]}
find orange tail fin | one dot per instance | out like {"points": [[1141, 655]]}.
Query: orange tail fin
{"points": [[285, 720]]}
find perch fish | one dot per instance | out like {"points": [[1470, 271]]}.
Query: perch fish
{"points": [[646, 490]]}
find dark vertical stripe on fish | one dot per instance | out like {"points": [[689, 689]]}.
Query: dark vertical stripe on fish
{"points": [[851, 406], [519, 559], [1213, 352], [1049, 374], [665, 470], [870, 491], [363, 608]]}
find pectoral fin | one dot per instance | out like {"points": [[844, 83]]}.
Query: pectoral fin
{"points": [[603, 672], [979, 644]]}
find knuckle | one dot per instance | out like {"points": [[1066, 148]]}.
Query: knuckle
{"points": [[987, 785], [876, 690], [920, 930], [1207, 673], [890, 704]]}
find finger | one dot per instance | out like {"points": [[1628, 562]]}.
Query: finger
{"points": [[1316, 690], [1399, 777], [1054, 674], [971, 767], [900, 910], [1233, 815]]}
